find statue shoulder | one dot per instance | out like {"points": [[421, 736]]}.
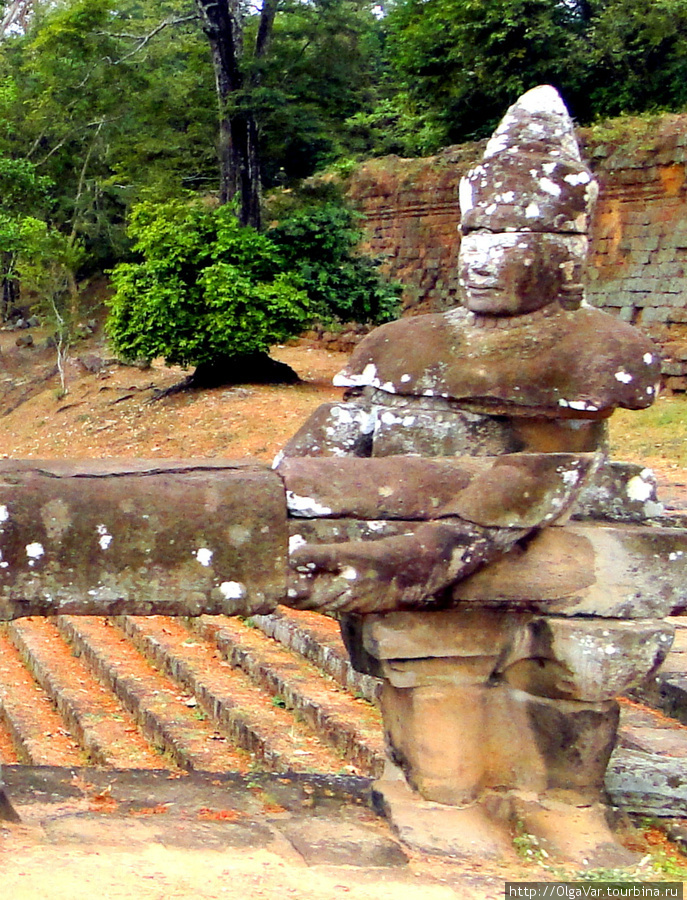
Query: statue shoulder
{"points": [[394, 355]]}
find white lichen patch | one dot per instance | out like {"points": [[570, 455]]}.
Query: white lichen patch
{"points": [[349, 573], [550, 187], [639, 489], [306, 507], [344, 415], [385, 491], [578, 178], [35, 550], [4, 514], [623, 376], [104, 538], [405, 378], [388, 418], [204, 556], [543, 99], [296, 541], [580, 405], [571, 477], [675, 554], [465, 197], [277, 461], [648, 358], [376, 525], [531, 210], [497, 144], [232, 590], [367, 377]]}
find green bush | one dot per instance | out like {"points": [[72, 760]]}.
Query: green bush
{"points": [[204, 289], [319, 243]]}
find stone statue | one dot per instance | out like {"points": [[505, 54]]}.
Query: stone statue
{"points": [[499, 703], [521, 366], [456, 512]]}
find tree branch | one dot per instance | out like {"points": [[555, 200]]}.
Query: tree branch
{"points": [[144, 39]]}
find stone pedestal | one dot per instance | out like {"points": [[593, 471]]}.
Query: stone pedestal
{"points": [[495, 721]]}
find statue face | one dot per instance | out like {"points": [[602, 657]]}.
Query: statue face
{"points": [[514, 273]]}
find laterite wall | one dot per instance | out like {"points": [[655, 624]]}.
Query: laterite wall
{"points": [[638, 265]]}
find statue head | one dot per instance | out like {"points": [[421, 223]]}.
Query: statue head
{"points": [[525, 212]]}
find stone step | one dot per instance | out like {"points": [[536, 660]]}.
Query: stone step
{"points": [[650, 784], [350, 724], [667, 690], [34, 732], [243, 710], [102, 727], [317, 638], [172, 726]]}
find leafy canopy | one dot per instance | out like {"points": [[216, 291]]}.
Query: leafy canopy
{"points": [[320, 245], [461, 63], [205, 288]]}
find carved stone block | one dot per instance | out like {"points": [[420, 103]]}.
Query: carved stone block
{"points": [[141, 537], [613, 571]]}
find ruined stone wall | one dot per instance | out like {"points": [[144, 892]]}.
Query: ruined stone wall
{"points": [[638, 265]]}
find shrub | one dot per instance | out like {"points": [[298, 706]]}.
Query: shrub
{"points": [[319, 244], [204, 289]]}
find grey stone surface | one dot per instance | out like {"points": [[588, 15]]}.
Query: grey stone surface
{"points": [[334, 429], [648, 783], [622, 492], [108, 537], [513, 491], [612, 571], [329, 841], [429, 432]]}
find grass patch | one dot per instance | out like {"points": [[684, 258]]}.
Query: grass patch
{"points": [[659, 433]]}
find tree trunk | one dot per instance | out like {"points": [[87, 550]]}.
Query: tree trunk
{"points": [[9, 286], [239, 159]]}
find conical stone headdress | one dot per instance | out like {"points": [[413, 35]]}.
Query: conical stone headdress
{"points": [[532, 177]]}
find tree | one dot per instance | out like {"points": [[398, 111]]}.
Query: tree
{"points": [[289, 72], [118, 100], [639, 49], [319, 243], [239, 159], [109, 116], [462, 62], [22, 191], [325, 66], [206, 292]]}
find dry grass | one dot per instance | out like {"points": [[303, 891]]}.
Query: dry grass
{"points": [[656, 436]]}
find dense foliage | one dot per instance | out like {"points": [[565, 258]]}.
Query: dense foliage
{"points": [[204, 288], [319, 244], [107, 106], [462, 62]]}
